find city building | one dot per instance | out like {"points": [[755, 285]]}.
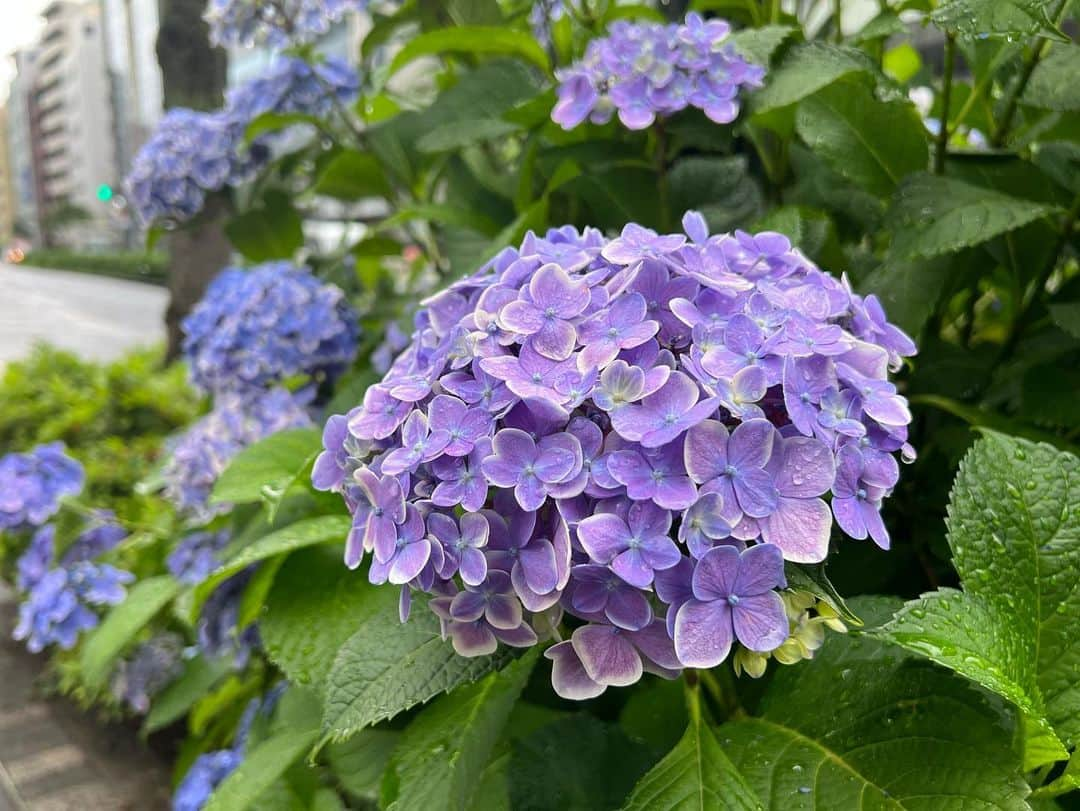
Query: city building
{"points": [[20, 150], [7, 189]]}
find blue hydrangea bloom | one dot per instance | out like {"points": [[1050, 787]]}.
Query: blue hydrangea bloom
{"points": [[196, 556], [250, 22], [152, 666], [32, 484], [205, 775], [57, 609], [101, 535], [642, 70], [36, 560], [293, 85], [217, 629], [257, 327], [200, 454], [190, 155]]}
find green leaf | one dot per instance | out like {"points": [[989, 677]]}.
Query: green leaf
{"points": [[696, 774], [200, 674], [909, 289], [472, 40], [262, 767], [1053, 84], [1008, 19], [444, 215], [387, 666], [811, 577], [271, 230], [265, 470], [933, 215], [872, 143], [759, 44], [359, 762], [459, 134], [306, 532], [313, 608], [1067, 316], [119, 628], [806, 69], [882, 26], [866, 725], [441, 757], [722, 189], [351, 175], [578, 763], [1015, 538]]}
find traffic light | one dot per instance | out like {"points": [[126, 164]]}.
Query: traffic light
{"points": [[104, 192]]}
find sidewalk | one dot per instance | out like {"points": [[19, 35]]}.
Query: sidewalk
{"points": [[55, 758]]}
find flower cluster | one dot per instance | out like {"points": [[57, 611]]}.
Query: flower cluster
{"points": [[636, 431], [196, 556], [153, 666], [102, 535], [57, 609], [645, 70], [190, 155], [36, 560], [206, 774], [277, 24], [193, 153], [32, 484], [256, 327], [200, 454], [292, 85]]}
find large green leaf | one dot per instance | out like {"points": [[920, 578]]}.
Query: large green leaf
{"points": [[867, 725], [805, 70], [1067, 316], [303, 533], [265, 470], [872, 143], [271, 229], [933, 215], [262, 767], [721, 188], [1053, 84], [909, 289], [350, 175], [313, 608], [386, 667], [472, 40], [441, 757], [359, 763], [200, 674], [1014, 531], [759, 44], [977, 19], [696, 775], [109, 639]]}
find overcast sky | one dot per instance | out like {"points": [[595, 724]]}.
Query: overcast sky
{"points": [[20, 27]]}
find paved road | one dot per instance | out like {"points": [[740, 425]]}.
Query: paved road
{"points": [[96, 317], [54, 757]]}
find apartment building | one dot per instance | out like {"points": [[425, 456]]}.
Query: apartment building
{"points": [[7, 189]]}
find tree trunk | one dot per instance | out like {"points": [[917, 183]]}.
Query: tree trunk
{"points": [[193, 75]]}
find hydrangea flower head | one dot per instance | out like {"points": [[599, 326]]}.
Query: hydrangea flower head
{"points": [[190, 155], [196, 556], [639, 432], [257, 327], [58, 607], [37, 559], [293, 85], [206, 774], [32, 484], [645, 70], [152, 666], [277, 24], [202, 452]]}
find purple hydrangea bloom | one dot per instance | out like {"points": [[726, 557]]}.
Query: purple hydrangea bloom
{"points": [[37, 559], [206, 774], [199, 455], [257, 327], [641, 433], [291, 22], [196, 556], [642, 70], [101, 535], [218, 628], [150, 668], [293, 85], [32, 484], [58, 607]]}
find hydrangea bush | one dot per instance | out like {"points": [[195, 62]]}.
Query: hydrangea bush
{"points": [[617, 454], [32, 484]]}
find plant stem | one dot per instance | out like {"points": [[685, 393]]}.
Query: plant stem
{"points": [[662, 187], [1040, 45], [721, 686], [838, 34], [946, 97]]}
